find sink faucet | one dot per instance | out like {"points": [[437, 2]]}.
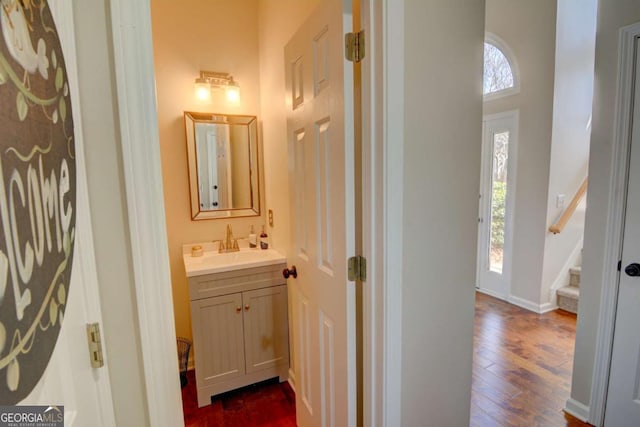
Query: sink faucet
{"points": [[229, 244]]}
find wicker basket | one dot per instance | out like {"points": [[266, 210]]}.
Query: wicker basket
{"points": [[184, 346]]}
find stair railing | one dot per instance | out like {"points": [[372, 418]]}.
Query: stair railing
{"points": [[569, 211]]}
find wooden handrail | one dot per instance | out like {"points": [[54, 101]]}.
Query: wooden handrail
{"points": [[566, 215]]}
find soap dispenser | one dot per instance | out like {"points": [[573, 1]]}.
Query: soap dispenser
{"points": [[264, 239]]}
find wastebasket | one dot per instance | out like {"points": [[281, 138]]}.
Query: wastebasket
{"points": [[184, 346]]}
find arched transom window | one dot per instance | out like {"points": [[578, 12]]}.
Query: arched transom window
{"points": [[499, 73]]}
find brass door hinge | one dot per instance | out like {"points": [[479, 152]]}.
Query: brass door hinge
{"points": [[95, 345], [354, 46], [357, 268]]}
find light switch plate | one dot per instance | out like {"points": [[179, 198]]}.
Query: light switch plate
{"points": [[270, 214]]}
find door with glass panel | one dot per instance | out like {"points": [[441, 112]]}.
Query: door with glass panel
{"points": [[495, 219]]}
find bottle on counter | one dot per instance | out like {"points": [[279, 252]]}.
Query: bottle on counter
{"points": [[253, 239], [264, 239]]}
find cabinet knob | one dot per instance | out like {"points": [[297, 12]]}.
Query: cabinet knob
{"points": [[247, 307], [238, 309], [290, 272]]}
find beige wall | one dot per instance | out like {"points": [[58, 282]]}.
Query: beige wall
{"points": [[529, 29], [109, 212], [442, 134], [612, 15], [189, 36]]}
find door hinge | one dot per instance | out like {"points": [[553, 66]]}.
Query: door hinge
{"points": [[357, 268], [620, 265], [95, 345], [354, 46]]}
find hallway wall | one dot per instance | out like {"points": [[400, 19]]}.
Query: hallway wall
{"points": [[612, 15], [441, 69]]}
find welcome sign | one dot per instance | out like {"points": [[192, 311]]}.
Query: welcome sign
{"points": [[37, 194]]}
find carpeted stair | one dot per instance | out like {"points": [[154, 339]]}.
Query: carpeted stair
{"points": [[569, 295]]}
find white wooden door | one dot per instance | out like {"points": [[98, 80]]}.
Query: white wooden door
{"points": [[496, 204], [320, 134], [623, 397], [69, 379]]}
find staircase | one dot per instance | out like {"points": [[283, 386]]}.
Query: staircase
{"points": [[569, 295]]}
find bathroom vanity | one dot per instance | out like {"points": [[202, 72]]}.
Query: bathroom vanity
{"points": [[239, 318]]}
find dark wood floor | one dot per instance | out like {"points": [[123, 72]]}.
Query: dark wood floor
{"points": [[521, 376], [267, 404], [522, 366]]}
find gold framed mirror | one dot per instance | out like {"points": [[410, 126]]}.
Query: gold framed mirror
{"points": [[222, 152]]}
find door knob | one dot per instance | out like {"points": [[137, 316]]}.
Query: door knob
{"points": [[290, 272], [632, 269]]}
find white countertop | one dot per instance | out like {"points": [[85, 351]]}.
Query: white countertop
{"points": [[213, 262]]}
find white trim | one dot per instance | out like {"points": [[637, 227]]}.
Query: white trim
{"points": [[531, 306], [493, 294], [615, 220], [392, 152], [133, 58], [85, 249], [493, 39], [372, 216], [520, 302], [577, 409]]}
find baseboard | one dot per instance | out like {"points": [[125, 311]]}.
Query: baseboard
{"points": [[528, 305], [577, 409], [520, 302], [493, 294], [547, 307]]}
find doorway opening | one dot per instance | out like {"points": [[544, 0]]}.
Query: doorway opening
{"points": [[538, 93]]}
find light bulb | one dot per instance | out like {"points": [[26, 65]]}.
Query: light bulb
{"points": [[203, 90], [233, 93]]}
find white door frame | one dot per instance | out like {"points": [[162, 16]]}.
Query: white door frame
{"points": [[382, 169], [614, 228], [135, 80], [383, 89]]}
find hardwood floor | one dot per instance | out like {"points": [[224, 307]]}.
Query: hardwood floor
{"points": [[266, 404], [521, 376], [522, 366]]}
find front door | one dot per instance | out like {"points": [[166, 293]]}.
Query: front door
{"points": [[623, 397], [496, 204], [48, 279], [320, 134]]}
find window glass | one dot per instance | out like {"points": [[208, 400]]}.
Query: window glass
{"points": [[498, 74]]}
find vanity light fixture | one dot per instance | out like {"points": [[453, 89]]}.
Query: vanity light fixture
{"points": [[210, 80]]}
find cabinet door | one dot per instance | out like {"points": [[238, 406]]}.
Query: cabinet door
{"points": [[266, 328], [218, 338]]}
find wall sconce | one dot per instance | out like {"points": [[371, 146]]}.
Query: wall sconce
{"points": [[210, 80]]}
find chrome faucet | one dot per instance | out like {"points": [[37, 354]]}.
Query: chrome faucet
{"points": [[229, 244]]}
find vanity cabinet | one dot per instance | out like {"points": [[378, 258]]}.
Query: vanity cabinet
{"points": [[240, 328]]}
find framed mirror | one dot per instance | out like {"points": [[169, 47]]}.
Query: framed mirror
{"points": [[222, 151]]}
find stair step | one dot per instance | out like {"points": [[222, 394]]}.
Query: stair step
{"points": [[574, 276], [568, 298]]}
